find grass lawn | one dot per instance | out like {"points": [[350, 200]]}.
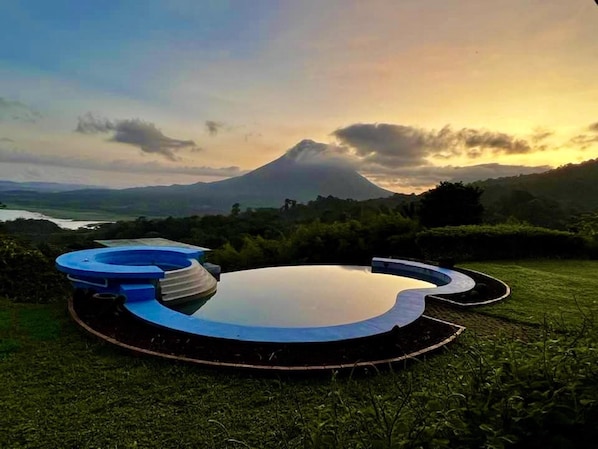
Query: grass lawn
{"points": [[557, 290], [61, 388]]}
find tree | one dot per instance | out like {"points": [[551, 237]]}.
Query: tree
{"points": [[451, 204]]}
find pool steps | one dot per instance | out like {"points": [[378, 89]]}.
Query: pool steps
{"points": [[187, 283]]}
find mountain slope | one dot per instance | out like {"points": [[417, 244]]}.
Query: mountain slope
{"points": [[48, 187], [297, 177], [301, 174], [574, 186]]}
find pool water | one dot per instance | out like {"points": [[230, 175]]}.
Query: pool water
{"points": [[303, 296]]}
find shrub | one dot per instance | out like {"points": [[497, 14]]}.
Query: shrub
{"points": [[505, 241], [26, 275]]}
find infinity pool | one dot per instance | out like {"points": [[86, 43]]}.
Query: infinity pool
{"points": [[304, 296], [296, 304]]}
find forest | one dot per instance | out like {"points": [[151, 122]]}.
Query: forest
{"points": [[448, 222]]}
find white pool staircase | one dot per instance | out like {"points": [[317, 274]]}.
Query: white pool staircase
{"points": [[187, 283]]}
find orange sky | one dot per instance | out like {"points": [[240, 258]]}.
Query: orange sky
{"points": [[186, 91]]}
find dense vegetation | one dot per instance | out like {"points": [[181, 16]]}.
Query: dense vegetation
{"points": [[330, 230], [566, 190]]}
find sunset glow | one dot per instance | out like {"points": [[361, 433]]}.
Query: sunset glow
{"points": [[410, 92]]}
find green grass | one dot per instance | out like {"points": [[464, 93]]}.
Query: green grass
{"points": [[60, 388], [557, 290]]}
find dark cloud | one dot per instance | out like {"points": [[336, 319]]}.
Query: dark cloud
{"points": [[5, 139], [143, 135], [497, 142], [409, 178], [24, 157], [540, 134], [384, 170], [586, 140], [395, 144], [213, 127], [399, 145], [15, 110]]}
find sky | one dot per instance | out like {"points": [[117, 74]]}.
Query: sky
{"points": [[409, 92]]}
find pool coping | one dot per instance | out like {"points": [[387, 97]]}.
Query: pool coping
{"points": [[462, 304], [92, 263]]}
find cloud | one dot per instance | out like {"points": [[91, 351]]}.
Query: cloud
{"points": [[540, 134], [399, 145], [418, 178], [385, 144], [15, 110], [586, 140], [24, 157], [213, 127], [6, 139], [406, 177], [497, 142], [136, 132], [309, 152]]}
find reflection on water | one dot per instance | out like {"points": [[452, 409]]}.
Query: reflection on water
{"points": [[190, 307], [302, 296]]}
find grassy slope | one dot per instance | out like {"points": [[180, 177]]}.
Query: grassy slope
{"points": [[557, 290], [61, 388]]}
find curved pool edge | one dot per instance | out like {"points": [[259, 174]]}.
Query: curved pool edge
{"points": [[504, 296], [97, 263], [408, 307]]}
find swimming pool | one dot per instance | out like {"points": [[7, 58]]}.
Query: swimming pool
{"points": [[305, 304]]}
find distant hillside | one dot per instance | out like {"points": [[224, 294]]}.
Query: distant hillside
{"points": [[47, 187], [573, 186], [296, 175]]}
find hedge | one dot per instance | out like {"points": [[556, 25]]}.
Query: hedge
{"points": [[492, 242]]}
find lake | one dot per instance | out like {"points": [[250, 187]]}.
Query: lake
{"points": [[65, 223]]}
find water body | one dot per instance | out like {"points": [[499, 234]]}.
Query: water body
{"points": [[304, 296], [65, 223]]}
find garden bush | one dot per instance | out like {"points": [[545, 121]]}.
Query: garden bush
{"points": [[27, 275]]}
